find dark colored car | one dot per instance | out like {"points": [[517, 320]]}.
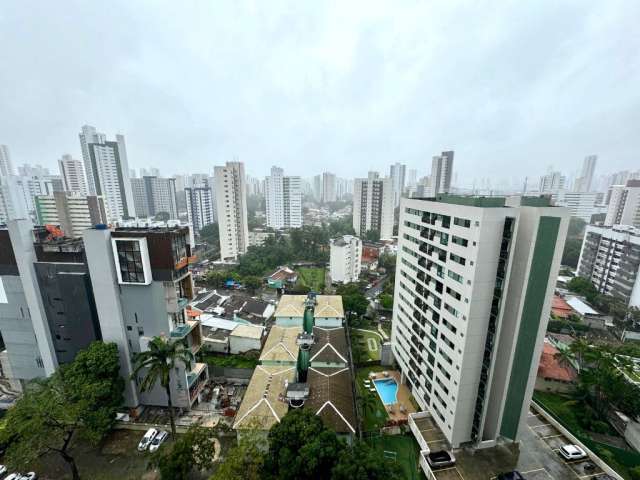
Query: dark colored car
{"points": [[515, 475], [441, 459]]}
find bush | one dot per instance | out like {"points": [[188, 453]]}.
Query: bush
{"points": [[635, 473]]}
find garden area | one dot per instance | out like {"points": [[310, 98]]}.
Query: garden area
{"points": [[365, 345], [402, 450], [245, 360], [311, 278], [374, 415]]}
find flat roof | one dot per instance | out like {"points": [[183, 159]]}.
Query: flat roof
{"points": [[281, 345], [248, 331], [326, 306], [581, 307], [263, 405], [331, 398]]}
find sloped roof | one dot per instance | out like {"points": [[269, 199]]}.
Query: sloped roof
{"points": [[560, 308], [331, 398], [248, 331], [283, 273], [329, 306], [281, 345], [330, 345], [291, 306], [552, 368], [262, 405], [581, 307]]}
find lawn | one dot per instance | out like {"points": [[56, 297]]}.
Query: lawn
{"points": [[312, 278], [370, 344], [373, 419], [407, 453]]}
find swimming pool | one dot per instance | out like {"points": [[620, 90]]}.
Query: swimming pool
{"points": [[387, 389]]}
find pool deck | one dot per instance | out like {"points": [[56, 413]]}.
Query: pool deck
{"points": [[403, 397]]}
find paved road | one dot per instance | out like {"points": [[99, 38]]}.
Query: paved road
{"points": [[377, 288]]}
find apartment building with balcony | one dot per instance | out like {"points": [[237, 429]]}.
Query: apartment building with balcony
{"points": [[474, 282], [610, 258], [344, 259]]}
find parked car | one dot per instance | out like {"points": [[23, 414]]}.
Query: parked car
{"points": [[29, 476], [14, 476], [147, 439], [158, 440], [441, 459], [515, 475], [572, 452], [3, 469]]}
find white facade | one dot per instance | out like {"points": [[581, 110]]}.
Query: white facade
{"points": [[610, 258], [474, 282], [6, 167], [373, 205], [552, 182], [15, 202], [441, 173], [397, 172], [73, 176], [201, 210], [107, 170], [580, 204], [329, 187], [153, 195], [231, 207], [624, 204], [74, 213], [345, 259], [283, 197]]}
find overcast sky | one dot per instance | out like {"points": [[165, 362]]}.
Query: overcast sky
{"points": [[512, 87]]}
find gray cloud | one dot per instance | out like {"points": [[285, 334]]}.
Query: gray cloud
{"points": [[311, 86]]}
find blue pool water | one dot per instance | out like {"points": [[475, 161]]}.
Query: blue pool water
{"points": [[387, 389]]}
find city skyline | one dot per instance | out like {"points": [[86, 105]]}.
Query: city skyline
{"points": [[319, 98]]}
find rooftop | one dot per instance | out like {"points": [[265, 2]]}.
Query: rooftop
{"points": [[263, 404], [327, 306], [551, 367], [560, 308], [483, 201], [248, 331], [281, 345], [331, 398], [581, 307], [330, 345]]}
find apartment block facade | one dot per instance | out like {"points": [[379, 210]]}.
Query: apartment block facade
{"points": [[73, 176], [345, 259], [231, 207], [624, 204], [610, 258], [153, 195], [373, 205], [474, 281], [283, 195], [74, 213]]}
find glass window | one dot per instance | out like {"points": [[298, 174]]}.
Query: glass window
{"points": [[130, 261]]}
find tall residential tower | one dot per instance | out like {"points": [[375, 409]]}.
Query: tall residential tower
{"points": [[231, 207]]}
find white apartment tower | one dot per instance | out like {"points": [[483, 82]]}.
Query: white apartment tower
{"points": [[397, 172], [474, 282], [585, 180], [441, 173], [200, 201], [345, 258], [552, 182], [283, 197], [624, 204], [73, 175], [373, 205], [6, 167], [231, 207], [107, 170], [154, 195]]}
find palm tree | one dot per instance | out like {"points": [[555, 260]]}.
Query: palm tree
{"points": [[367, 403], [158, 361]]}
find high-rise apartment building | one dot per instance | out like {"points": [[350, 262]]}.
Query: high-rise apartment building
{"points": [[73, 175], [107, 170], [231, 208], [200, 201], [317, 187], [328, 187], [624, 204], [584, 182], [154, 195], [580, 204], [344, 188], [610, 258], [15, 200], [74, 213], [345, 259], [552, 182], [6, 167], [474, 282], [373, 205], [397, 173], [283, 197], [441, 173]]}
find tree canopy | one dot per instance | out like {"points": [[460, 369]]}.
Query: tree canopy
{"points": [[193, 450], [79, 400]]}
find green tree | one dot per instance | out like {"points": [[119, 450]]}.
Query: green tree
{"points": [[583, 286], [245, 461], [194, 449], [300, 446], [157, 363], [361, 462], [372, 236], [367, 403], [79, 401], [252, 283], [386, 301], [571, 252], [216, 278]]}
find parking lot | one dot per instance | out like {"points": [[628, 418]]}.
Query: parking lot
{"points": [[536, 458]]}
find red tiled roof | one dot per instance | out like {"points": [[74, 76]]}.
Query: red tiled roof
{"points": [[560, 308], [550, 367]]}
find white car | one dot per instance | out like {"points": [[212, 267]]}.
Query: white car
{"points": [[572, 452], [14, 476], [147, 439], [3, 469], [157, 441], [29, 476]]}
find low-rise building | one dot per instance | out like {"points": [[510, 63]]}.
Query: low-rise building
{"points": [[283, 276], [554, 374], [328, 311], [244, 338]]}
